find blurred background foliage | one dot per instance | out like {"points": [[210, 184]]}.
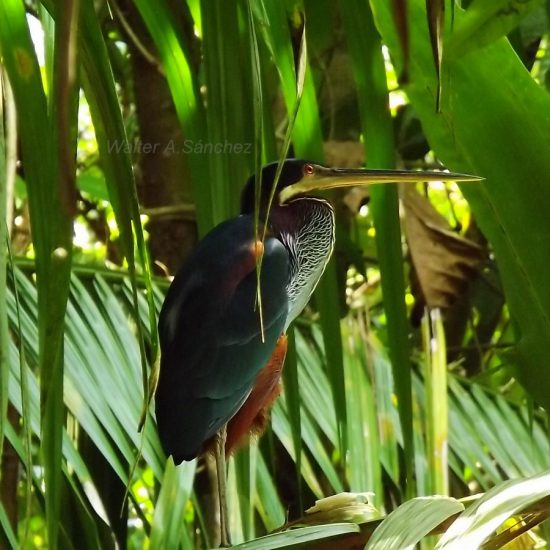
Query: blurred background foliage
{"points": [[127, 129]]}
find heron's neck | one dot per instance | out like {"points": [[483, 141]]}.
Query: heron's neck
{"points": [[306, 227]]}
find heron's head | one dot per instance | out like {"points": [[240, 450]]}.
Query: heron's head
{"points": [[292, 171], [297, 177]]}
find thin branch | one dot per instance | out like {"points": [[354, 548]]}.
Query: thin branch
{"points": [[134, 38]]}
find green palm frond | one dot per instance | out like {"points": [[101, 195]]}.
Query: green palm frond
{"points": [[103, 394]]}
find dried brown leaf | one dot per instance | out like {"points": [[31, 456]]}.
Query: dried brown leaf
{"points": [[444, 261]]}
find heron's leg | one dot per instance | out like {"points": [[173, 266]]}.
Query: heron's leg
{"points": [[222, 478]]}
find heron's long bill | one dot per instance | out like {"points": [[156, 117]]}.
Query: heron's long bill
{"points": [[321, 178]]}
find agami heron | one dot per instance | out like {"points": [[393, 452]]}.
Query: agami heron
{"points": [[220, 366]]}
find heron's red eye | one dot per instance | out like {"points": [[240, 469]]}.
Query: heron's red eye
{"points": [[308, 169]]}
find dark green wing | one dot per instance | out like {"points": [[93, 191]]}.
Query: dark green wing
{"points": [[211, 345]]}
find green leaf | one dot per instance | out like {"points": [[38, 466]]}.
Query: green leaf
{"points": [[228, 80], [408, 524], [291, 377], [283, 430], [485, 128], [4, 336], [50, 179], [485, 21], [296, 538], [364, 466], [268, 502], [245, 462], [370, 74], [481, 519], [7, 528], [92, 181], [116, 160], [166, 531], [437, 416]]}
